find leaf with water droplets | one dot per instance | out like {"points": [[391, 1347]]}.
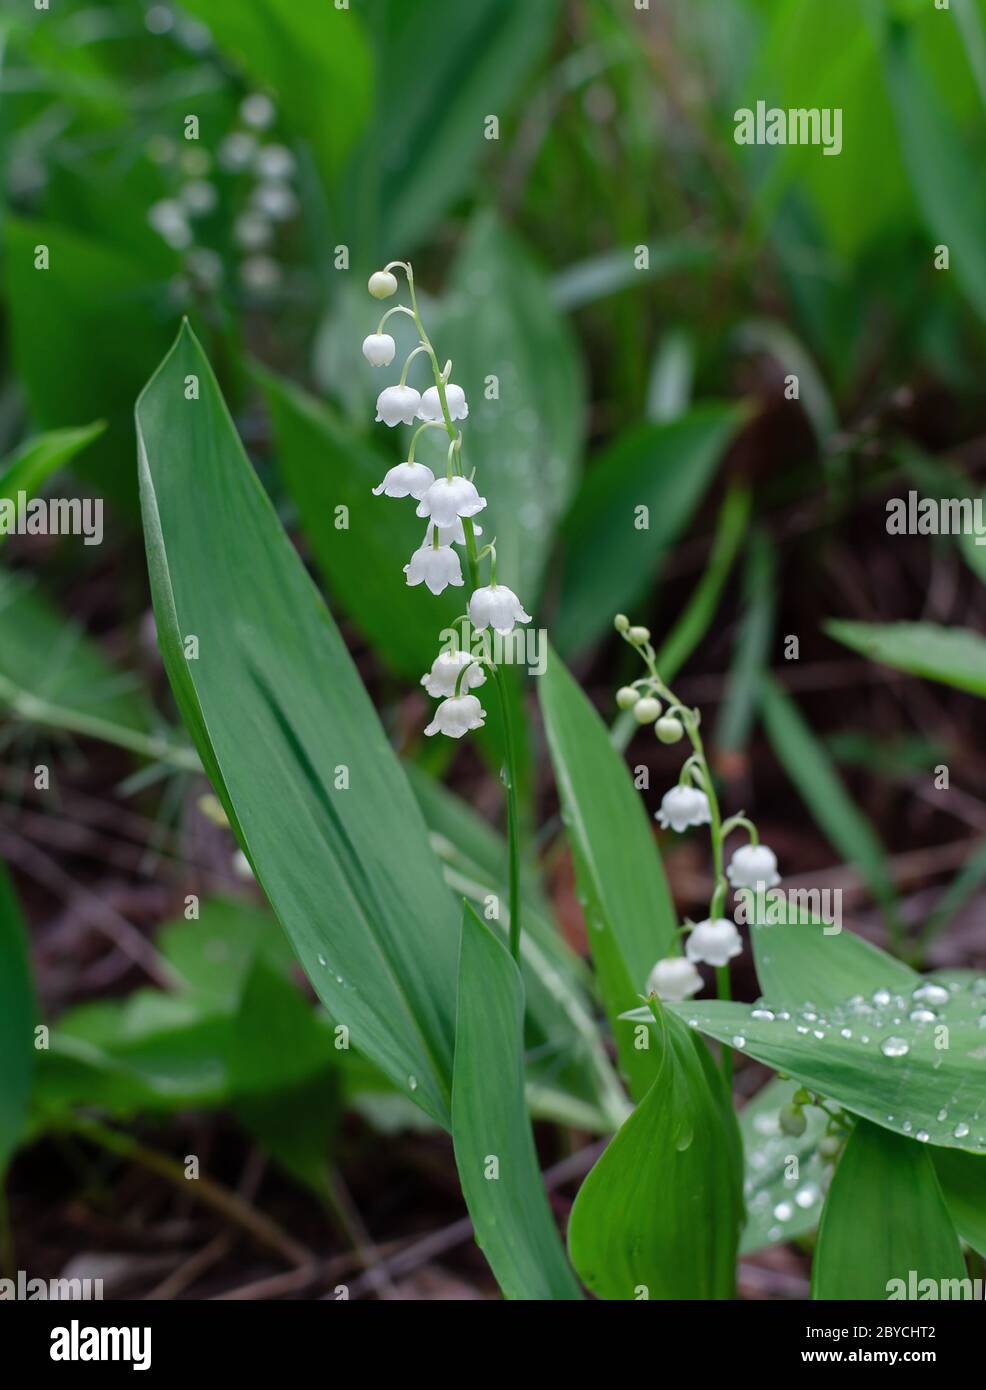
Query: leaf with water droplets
{"points": [[781, 1202]]}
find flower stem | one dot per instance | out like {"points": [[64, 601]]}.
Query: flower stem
{"points": [[513, 815]]}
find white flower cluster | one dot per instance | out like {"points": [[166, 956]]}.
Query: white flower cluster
{"points": [[449, 504]]}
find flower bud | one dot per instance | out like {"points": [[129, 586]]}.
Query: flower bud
{"points": [[621, 622], [639, 634], [830, 1146], [626, 697], [648, 709], [802, 1096], [669, 729], [792, 1120], [382, 284]]}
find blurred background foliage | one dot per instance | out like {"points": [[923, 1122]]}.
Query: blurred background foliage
{"points": [[641, 286]]}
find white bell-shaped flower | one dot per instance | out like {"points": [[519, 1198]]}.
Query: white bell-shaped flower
{"points": [[450, 535], [450, 498], [445, 671], [405, 480], [436, 566], [682, 807], [379, 349], [713, 942], [497, 607], [457, 716], [382, 284], [398, 405], [431, 403], [753, 866], [674, 979]]}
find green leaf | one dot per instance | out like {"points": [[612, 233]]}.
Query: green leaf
{"points": [[17, 1014], [779, 1206], [610, 558], [910, 1063], [953, 655], [963, 1184], [658, 1216], [84, 335], [282, 1074], [629, 913], [214, 953], [884, 1217], [498, 320], [511, 1217], [810, 769], [751, 649], [29, 468], [344, 859], [313, 58], [428, 133]]}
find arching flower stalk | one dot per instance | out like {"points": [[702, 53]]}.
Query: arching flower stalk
{"points": [[693, 802], [449, 503]]}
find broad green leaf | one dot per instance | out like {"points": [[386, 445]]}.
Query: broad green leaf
{"points": [[53, 675], [17, 1014], [884, 1217], [84, 335], [963, 1184], [214, 953], [810, 769], [751, 649], [953, 655], [943, 170], [658, 1217], [29, 467], [491, 1131], [314, 59], [283, 1076], [298, 758], [610, 554], [780, 1206], [910, 1061], [593, 279], [429, 128], [497, 320], [629, 914]]}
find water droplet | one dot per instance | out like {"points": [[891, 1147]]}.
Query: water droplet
{"points": [[922, 1015], [807, 1196], [763, 1015], [784, 1211], [943, 1113], [321, 961], [922, 1136], [930, 993], [961, 1130], [907, 1126], [739, 1041], [412, 1083], [845, 1032], [895, 1047], [881, 997]]}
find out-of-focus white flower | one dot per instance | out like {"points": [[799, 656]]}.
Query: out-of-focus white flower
{"points": [[206, 265], [713, 942], [405, 480], [382, 284], [274, 162], [450, 535], [396, 405], [260, 274], [753, 866], [450, 498], [199, 197], [497, 607], [457, 716], [379, 349], [257, 110], [236, 150], [682, 807], [445, 669], [431, 403], [674, 979], [276, 200], [435, 566], [252, 231], [170, 221]]}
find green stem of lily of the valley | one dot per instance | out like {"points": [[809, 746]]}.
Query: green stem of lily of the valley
{"points": [[472, 558]]}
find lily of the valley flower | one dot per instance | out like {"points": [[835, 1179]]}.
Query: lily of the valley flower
{"points": [[682, 807], [445, 671], [674, 979], [497, 607], [450, 498], [382, 284], [457, 716], [431, 403], [450, 535], [713, 942], [379, 349], [753, 866], [405, 480], [398, 405], [435, 565]]}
